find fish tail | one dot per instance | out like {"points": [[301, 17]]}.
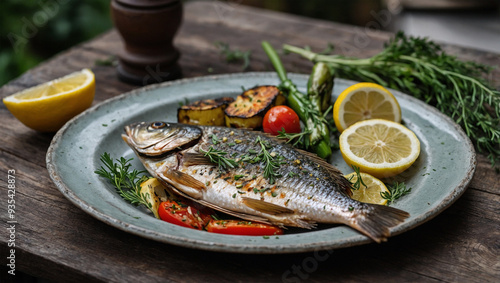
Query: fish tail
{"points": [[376, 223]]}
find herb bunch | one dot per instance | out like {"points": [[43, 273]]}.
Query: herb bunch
{"points": [[419, 67], [126, 181]]}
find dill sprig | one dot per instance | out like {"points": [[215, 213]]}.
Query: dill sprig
{"points": [[219, 157], [126, 181], [419, 67], [396, 191], [271, 161], [234, 55]]}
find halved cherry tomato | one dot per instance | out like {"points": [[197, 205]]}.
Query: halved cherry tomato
{"points": [[179, 213], [242, 227], [279, 118]]}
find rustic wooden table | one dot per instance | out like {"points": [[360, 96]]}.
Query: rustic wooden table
{"points": [[56, 240]]}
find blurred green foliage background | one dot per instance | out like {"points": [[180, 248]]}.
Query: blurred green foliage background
{"points": [[34, 30]]}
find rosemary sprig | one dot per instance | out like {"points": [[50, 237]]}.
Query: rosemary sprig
{"points": [[298, 140], [359, 181], [419, 67], [396, 191], [219, 157], [126, 181], [271, 161], [234, 55]]}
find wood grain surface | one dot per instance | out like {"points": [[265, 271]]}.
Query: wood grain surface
{"points": [[57, 241]]}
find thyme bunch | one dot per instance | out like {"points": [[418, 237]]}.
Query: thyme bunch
{"points": [[419, 67]]}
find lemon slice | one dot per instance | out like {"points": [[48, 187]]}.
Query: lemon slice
{"points": [[364, 101], [379, 147], [370, 193], [48, 106]]}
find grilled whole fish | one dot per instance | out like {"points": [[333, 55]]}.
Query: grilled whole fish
{"points": [[255, 177]]}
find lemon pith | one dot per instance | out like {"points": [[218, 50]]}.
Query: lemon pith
{"points": [[48, 106], [364, 101]]}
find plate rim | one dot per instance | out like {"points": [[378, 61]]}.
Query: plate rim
{"points": [[273, 248]]}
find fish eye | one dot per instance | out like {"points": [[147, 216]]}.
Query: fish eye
{"points": [[158, 125]]}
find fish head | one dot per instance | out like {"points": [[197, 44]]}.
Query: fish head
{"points": [[158, 138]]}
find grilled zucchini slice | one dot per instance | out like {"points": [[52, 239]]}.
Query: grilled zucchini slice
{"points": [[208, 112], [249, 108]]}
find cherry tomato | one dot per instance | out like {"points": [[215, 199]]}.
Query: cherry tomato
{"points": [[242, 227], [279, 118], [179, 213]]}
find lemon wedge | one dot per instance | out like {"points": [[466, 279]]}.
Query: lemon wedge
{"points": [[379, 147], [372, 192], [48, 106], [364, 101]]}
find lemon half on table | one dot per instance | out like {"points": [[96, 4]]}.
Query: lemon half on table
{"points": [[364, 101], [379, 147], [48, 106]]}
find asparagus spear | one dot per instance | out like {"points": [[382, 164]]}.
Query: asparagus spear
{"points": [[319, 137], [320, 86]]}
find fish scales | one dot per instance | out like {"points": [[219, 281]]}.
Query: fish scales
{"points": [[301, 191]]}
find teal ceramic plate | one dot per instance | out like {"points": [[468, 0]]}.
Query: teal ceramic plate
{"points": [[439, 176]]}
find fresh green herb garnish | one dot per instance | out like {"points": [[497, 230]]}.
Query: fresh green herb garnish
{"points": [[419, 67], [218, 157], [235, 54], [395, 192], [186, 102], [126, 181], [110, 61], [359, 181], [298, 140], [271, 163], [237, 177], [215, 139]]}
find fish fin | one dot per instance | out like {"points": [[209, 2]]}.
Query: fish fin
{"points": [[320, 161], [265, 207], [334, 171], [183, 182], [307, 224], [245, 216], [376, 223], [192, 159]]}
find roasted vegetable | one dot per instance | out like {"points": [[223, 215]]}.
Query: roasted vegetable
{"points": [[314, 122], [249, 108], [208, 112]]}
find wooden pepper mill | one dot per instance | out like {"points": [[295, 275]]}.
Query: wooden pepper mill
{"points": [[148, 28]]}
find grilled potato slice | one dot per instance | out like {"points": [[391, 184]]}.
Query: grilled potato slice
{"points": [[208, 112], [249, 108]]}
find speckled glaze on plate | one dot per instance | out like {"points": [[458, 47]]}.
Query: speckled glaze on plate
{"points": [[438, 178]]}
